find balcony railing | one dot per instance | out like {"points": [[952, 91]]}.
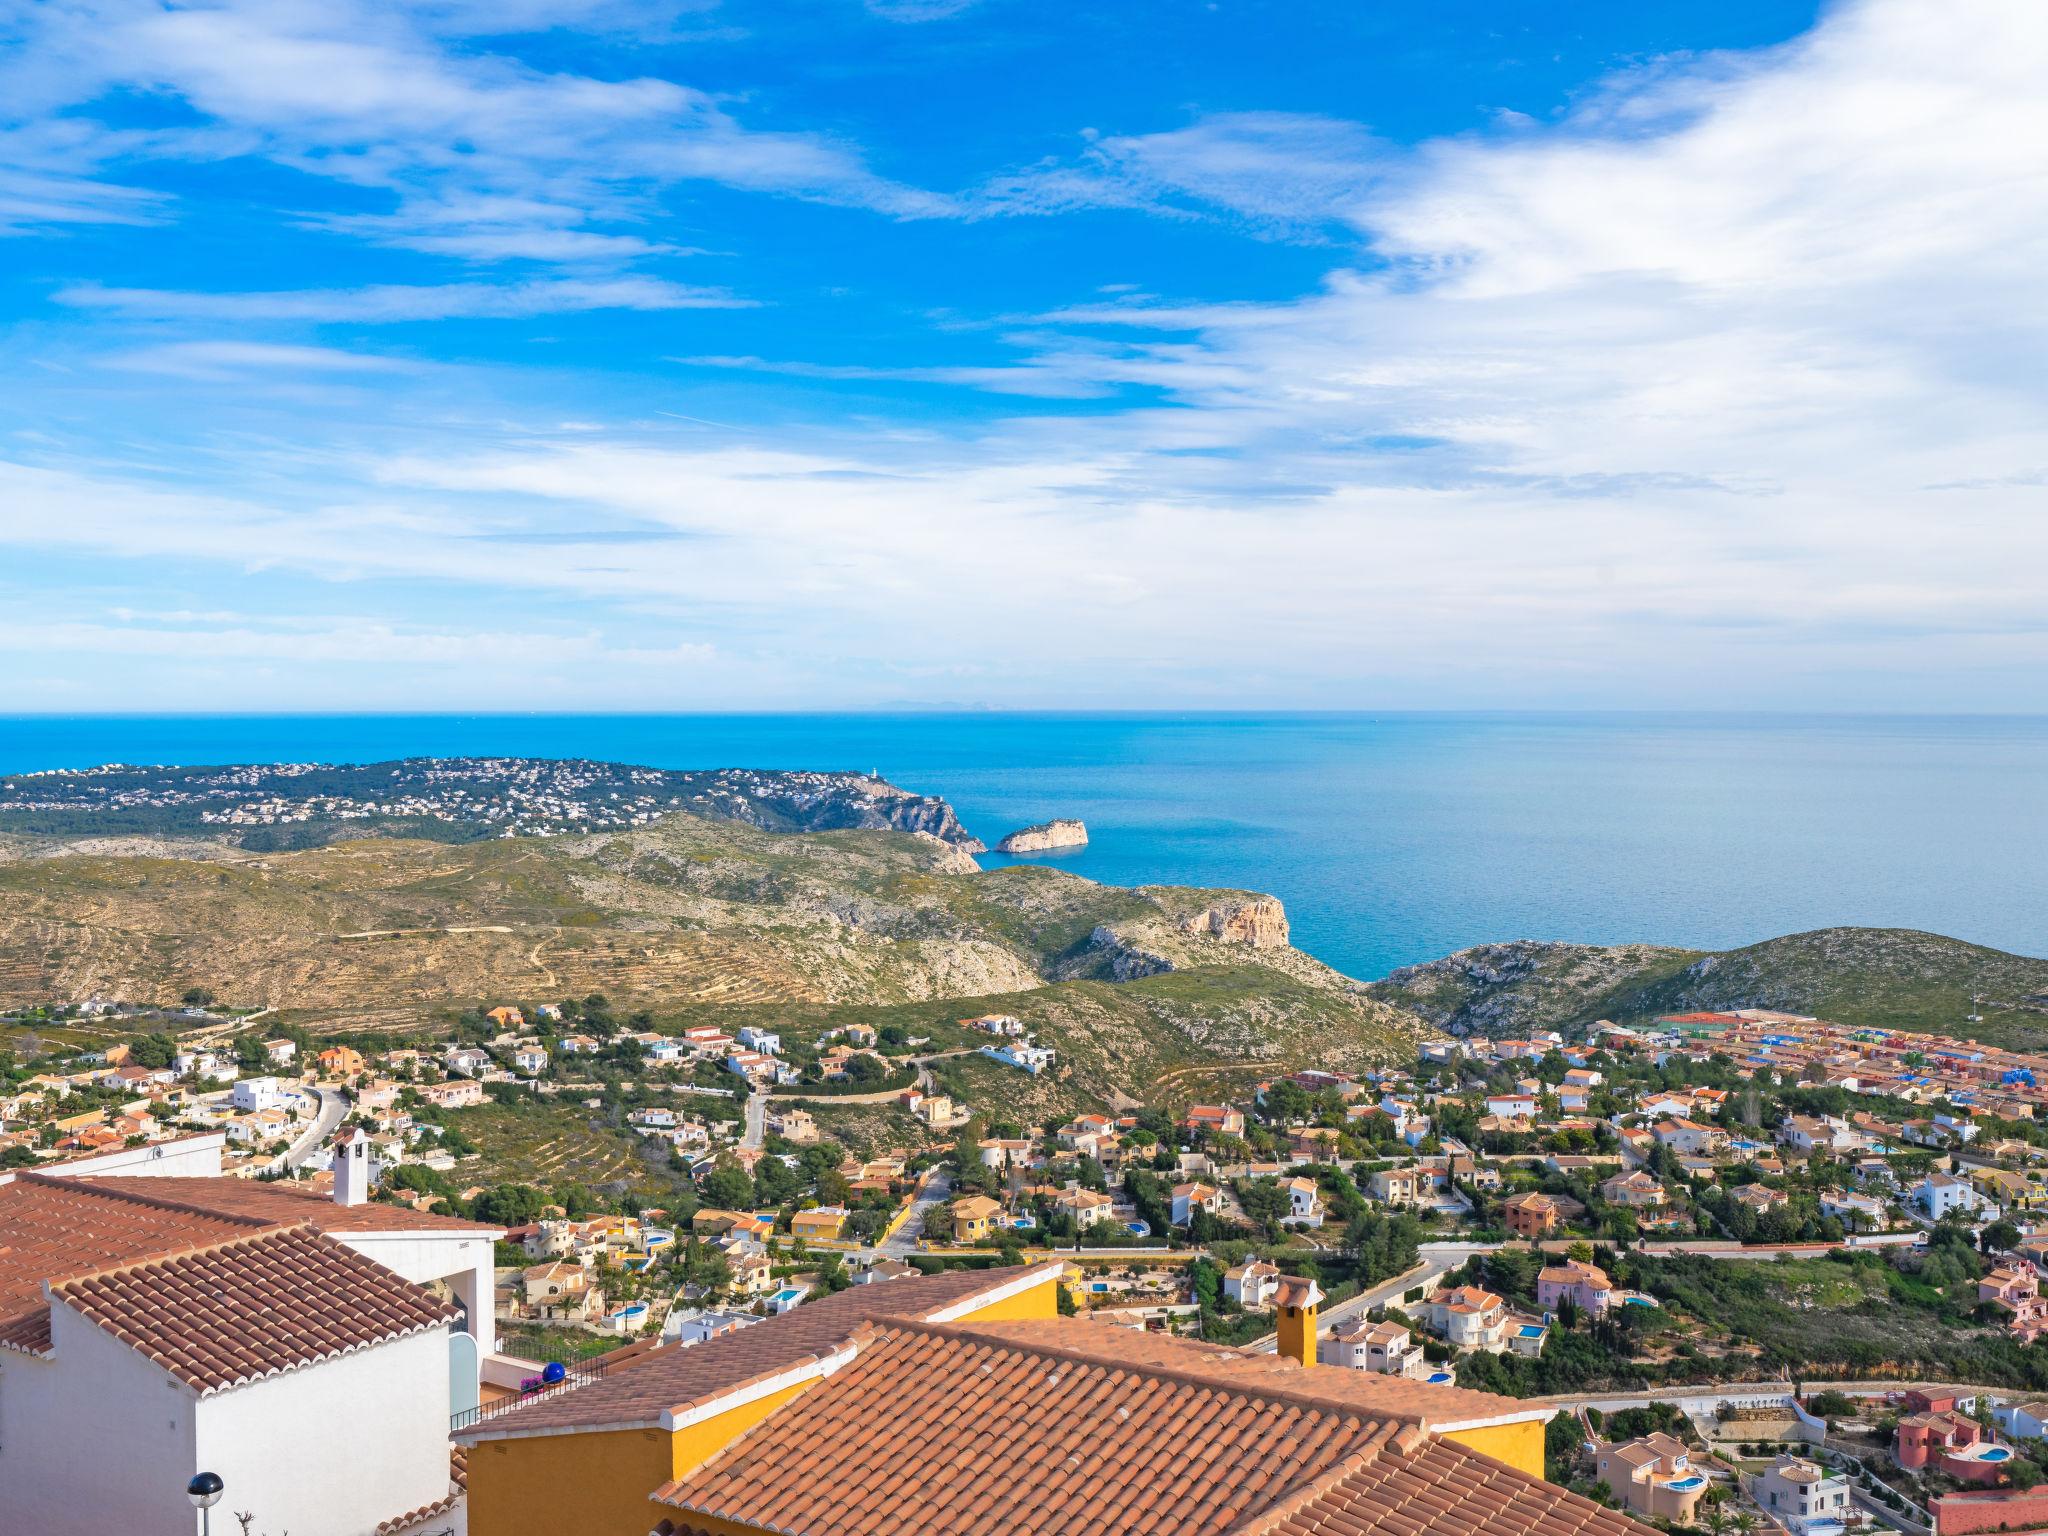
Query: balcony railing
{"points": [[580, 1374]]}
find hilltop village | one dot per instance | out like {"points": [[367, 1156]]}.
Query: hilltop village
{"points": [[1622, 1262]]}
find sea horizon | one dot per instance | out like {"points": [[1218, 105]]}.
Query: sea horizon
{"points": [[1392, 836]]}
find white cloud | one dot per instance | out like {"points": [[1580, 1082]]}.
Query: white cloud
{"points": [[919, 10], [402, 100], [1279, 173], [240, 359], [392, 302], [1726, 390]]}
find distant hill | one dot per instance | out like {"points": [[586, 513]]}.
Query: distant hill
{"points": [[696, 920], [1895, 977], [450, 799]]}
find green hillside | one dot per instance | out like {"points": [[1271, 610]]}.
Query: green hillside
{"points": [[1894, 977]]}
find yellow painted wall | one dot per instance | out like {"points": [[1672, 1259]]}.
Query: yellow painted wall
{"points": [[1519, 1445], [1040, 1300], [597, 1483], [589, 1484]]}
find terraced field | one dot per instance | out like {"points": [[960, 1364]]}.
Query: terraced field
{"points": [[555, 1143]]}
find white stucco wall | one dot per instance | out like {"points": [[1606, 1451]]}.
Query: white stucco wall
{"points": [[95, 1439], [195, 1157], [466, 1260], [336, 1448], [98, 1439]]}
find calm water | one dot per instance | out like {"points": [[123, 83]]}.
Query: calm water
{"points": [[1391, 838]]}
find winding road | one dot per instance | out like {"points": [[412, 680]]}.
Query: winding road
{"points": [[333, 1110]]}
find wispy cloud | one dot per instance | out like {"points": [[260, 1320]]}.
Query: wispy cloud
{"points": [[1646, 405], [215, 360], [391, 303], [1287, 175], [401, 101], [919, 10]]}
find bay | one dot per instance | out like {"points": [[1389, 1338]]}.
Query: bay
{"points": [[1392, 838]]}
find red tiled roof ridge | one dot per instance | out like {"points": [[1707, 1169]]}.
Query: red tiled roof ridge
{"points": [[1405, 1440], [123, 1187], [816, 1357], [1246, 1385], [717, 1368], [189, 1251], [1431, 1406], [876, 1333], [103, 1191], [1028, 1442], [233, 1333]]}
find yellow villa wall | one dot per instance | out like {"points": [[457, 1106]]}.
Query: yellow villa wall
{"points": [[598, 1483], [1519, 1445], [548, 1486], [1038, 1301]]}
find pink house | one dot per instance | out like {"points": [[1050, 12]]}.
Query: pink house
{"points": [[2016, 1290], [1951, 1442], [1586, 1285]]}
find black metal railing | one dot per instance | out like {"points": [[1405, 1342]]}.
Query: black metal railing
{"points": [[579, 1374]]}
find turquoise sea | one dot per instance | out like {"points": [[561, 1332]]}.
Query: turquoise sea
{"points": [[1392, 838]]}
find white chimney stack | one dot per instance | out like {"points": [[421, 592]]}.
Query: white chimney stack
{"points": [[355, 1167]]}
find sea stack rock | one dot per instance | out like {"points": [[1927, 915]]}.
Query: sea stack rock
{"points": [[1045, 836]]}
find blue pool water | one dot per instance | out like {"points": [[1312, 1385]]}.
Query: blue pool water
{"points": [[1530, 1331], [1392, 838], [1994, 1453], [1686, 1484]]}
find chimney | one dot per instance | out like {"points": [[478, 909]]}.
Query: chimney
{"points": [[355, 1166], [1296, 1301]]}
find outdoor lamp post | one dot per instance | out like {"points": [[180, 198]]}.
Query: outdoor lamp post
{"points": [[204, 1492]]}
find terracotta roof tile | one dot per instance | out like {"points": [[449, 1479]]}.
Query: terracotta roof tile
{"points": [[50, 1231], [280, 1204], [1363, 1392], [237, 1311], [458, 1484], [669, 1378], [1039, 1429]]}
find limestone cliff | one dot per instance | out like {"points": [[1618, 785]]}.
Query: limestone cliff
{"points": [[1260, 922], [1047, 835]]}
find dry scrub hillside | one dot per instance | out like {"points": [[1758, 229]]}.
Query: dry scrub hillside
{"points": [[687, 918]]}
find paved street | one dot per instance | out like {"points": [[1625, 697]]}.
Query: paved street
{"points": [[934, 1190], [333, 1110]]}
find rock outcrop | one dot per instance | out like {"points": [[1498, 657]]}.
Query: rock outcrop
{"points": [[1044, 837], [1127, 962], [953, 859], [1261, 923]]}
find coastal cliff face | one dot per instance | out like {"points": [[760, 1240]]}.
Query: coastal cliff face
{"points": [[1261, 923], [1046, 835]]}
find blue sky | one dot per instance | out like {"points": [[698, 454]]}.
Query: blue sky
{"points": [[553, 354]]}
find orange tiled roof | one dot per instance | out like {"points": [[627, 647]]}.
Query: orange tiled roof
{"points": [[48, 1232], [1363, 1392], [54, 1228], [974, 1429], [237, 1311], [279, 1204], [673, 1377]]}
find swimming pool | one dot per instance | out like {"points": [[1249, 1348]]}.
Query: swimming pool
{"points": [[1440, 1378], [1994, 1453], [1686, 1484], [1530, 1331]]}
